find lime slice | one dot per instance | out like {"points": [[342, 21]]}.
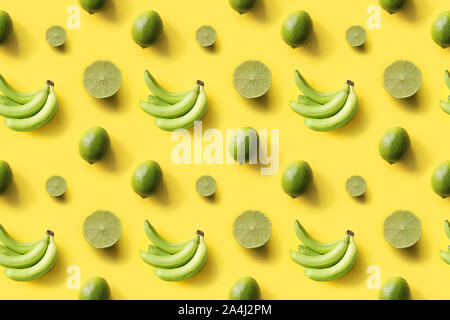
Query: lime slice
{"points": [[402, 229], [206, 36], [56, 36], [252, 79], [252, 229], [402, 79], [102, 229], [356, 186], [356, 36], [56, 186], [102, 79], [206, 186]]}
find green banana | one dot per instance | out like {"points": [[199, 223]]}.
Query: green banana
{"points": [[445, 105], [157, 101], [7, 251], [447, 228], [157, 240], [445, 255], [195, 114], [323, 111], [339, 119], [39, 119], [26, 110], [170, 97], [173, 111], [155, 250], [447, 78], [339, 269], [26, 260], [19, 97], [307, 240], [16, 246], [305, 100], [189, 269], [174, 260], [308, 91], [39, 269], [306, 251], [8, 101], [322, 261]]}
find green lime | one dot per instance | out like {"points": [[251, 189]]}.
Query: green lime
{"points": [[392, 6], [402, 229], [206, 186], [394, 144], [94, 144], [146, 178], [5, 176], [356, 186], [296, 178], [356, 36], [252, 229], [102, 79], [102, 229], [95, 289], [6, 26], [92, 6], [243, 145], [245, 289], [242, 6], [440, 179], [297, 28], [56, 36], [147, 28], [440, 30], [56, 186], [206, 36], [252, 79], [402, 79], [395, 289]]}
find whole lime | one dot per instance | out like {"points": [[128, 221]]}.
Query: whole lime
{"points": [[296, 178], [92, 6], [6, 26], [297, 28], [394, 144], [440, 179], [241, 6], [5, 176], [392, 6], [94, 144], [395, 288], [95, 289], [440, 30], [245, 289], [147, 28], [243, 145], [146, 178]]}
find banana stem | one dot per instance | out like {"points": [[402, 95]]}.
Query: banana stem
{"points": [[350, 233], [200, 233], [50, 233], [50, 83], [350, 82], [200, 82]]}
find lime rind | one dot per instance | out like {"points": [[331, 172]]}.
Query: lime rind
{"points": [[402, 79], [252, 229], [206, 186], [356, 36], [402, 229], [206, 36], [102, 229], [56, 186], [102, 79], [356, 186], [252, 79], [56, 36]]}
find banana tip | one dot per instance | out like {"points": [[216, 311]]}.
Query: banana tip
{"points": [[50, 233], [200, 82], [350, 233], [50, 83], [200, 233], [350, 82]]}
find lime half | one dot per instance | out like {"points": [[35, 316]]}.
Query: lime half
{"points": [[206, 186], [102, 229], [356, 186], [206, 36], [252, 229], [402, 229], [56, 36], [356, 36], [402, 79], [102, 79], [252, 79], [56, 186]]}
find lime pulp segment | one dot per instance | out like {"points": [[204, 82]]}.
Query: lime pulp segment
{"points": [[402, 79], [206, 186], [402, 229], [102, 79], [102, 229], [252, 79], [356, 36], [252, 229], [206, 36], [56, 186], [356, 186], [56, 36]]}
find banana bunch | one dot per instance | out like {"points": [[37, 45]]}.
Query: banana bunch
{"points": [[324, 261], [325, 111], [445, 105], [27, 111], [174, 110], [174, 261], [27, 261], [445, 255]]}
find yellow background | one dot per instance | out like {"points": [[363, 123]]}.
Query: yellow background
{"points": [[176, 61]]}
